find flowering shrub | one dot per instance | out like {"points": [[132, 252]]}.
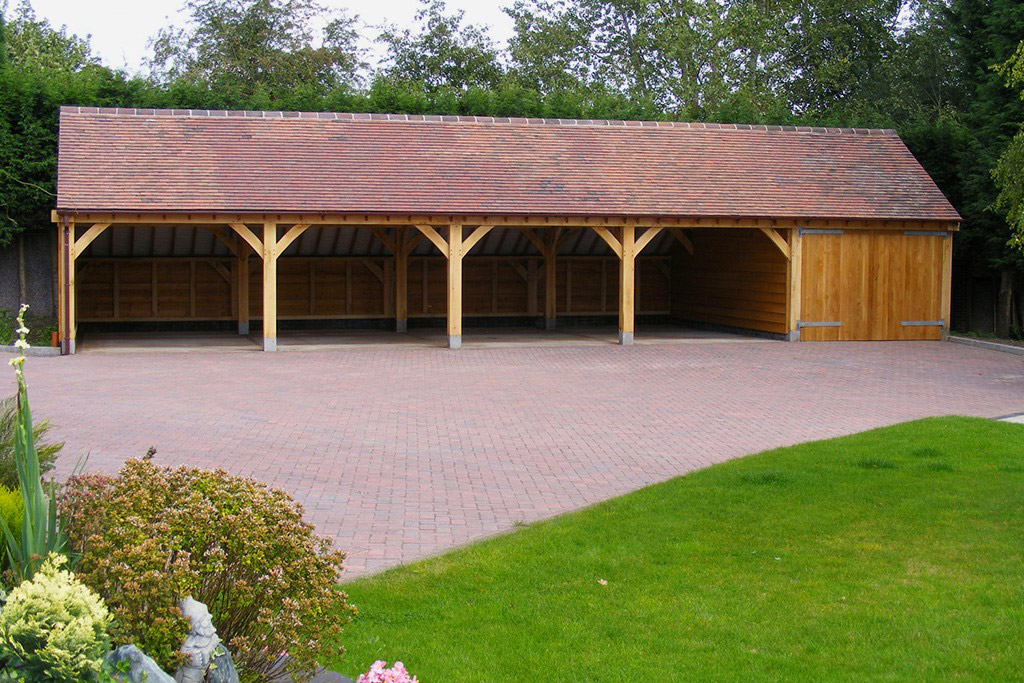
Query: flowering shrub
{"points": [[378, 674], [53, 628], [152, 535]]}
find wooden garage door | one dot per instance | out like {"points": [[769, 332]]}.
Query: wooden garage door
{"points": [[872, 285]]}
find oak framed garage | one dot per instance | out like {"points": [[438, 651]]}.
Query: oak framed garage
{"points": [[189, 216]]}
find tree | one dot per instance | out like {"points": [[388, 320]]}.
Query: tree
{"points": [[659, 51], [3, 39], [250, 48], [1009, 171], [440, 52], [986, 34], [32, 43]]}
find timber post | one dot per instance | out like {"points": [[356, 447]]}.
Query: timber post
{"points": [[627, 285], [64, 240], [946, 294], [794, 273], [269, 286], [242, 284], [454, 286], [550, 284], [401, 281], [71, 246]]}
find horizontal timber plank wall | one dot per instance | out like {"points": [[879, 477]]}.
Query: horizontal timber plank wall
{"points": [[202, 288], [162, 289], [735, 278]]}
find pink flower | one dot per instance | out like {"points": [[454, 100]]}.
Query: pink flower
{"points": [[379, 674]]}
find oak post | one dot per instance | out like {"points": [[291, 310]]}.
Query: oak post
{"points": [[946, 283], [531, 287], [793, 276], [401, 281], [242, 284], [62, 288], [550, 291], [455, 286], [627, 285], [270, 286], [70, 284]]}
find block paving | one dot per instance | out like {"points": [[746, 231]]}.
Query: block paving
{"points": [[400, 453]]}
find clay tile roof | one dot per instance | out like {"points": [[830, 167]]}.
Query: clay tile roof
{"points": [[238, 162]]}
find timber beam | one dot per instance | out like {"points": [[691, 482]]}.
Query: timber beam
{"points": [[248, 235], [82, 243], [680, 235], [497, 220], [454, 246], [69, 247], [778, 240], [627, 245], [221, 235]]}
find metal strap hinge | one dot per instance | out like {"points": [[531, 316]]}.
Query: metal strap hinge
{"points": [[926, 233], [820, 231], [923, 323], [801, 325]]}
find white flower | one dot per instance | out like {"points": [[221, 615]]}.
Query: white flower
{"points": [[21, 344], [22, 330]]}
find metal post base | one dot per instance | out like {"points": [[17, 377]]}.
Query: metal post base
{"points": [[243, 328], [455, 341], [401, 326], [793, 336], [269, 344], [625, 338], [549, 323]]}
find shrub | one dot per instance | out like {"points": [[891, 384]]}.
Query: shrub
{"points": [[12, 513], [40, 534], [6, 327], [53, 628], [47, 452], [152, 535]]}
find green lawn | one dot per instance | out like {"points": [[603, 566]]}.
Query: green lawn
{"points": [[895, 554]]}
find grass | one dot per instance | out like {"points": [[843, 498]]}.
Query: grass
{"points": [[896, 554]]}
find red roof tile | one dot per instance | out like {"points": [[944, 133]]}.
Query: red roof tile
{"points": [[217, 161]]}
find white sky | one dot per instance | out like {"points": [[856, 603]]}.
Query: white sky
{"points": [[121, 29]]}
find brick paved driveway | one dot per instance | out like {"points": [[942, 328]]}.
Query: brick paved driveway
{"points": [[403, 452]]}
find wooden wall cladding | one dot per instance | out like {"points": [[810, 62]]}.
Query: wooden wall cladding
{"points": [[122, 289], [871, 282], [155, 289], [735, 277]]}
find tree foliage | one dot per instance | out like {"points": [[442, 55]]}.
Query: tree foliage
{"points": [[440, 52], [1009, 170], [248, 47], [32, 43]]}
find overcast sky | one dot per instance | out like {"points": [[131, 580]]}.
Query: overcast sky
{"points": [[120, 29]]}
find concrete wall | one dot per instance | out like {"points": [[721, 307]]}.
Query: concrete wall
{"points": [[40, 269]]}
